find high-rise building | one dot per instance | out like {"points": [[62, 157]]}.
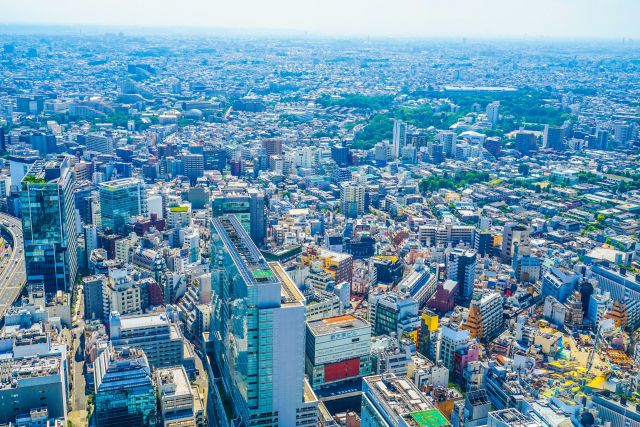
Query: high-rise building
{"points": [[338, 349], [493, 112], [524, 142], [602, 139], [390, 400], [119, 201], [48, 224], [513, 233], [273, 146], [181, 404], [340, 154], [553, 138], [259, 334], [161, 340], [461, 268], [214, 159], [247, 205], [622, 287], [623, 132], [125, 393], [351, 199], [493, 146], [489, 306], [193, 166], [100, 143], [394, 312], [399, 137], [45, 144], [448, 139]]}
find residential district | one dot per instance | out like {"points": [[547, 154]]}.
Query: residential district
{"points": [[202, 231]]}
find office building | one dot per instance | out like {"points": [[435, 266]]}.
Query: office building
{"points": [[273, 146], [48, 225], [623, 132], [489, 306], [622, 287], [394, 312], [510, 418], [247, 205], [493, 112], [351, 199], [261, 328], [340, 155], [461, 268], [99, 143], [45, 144], [125, 393], [399, 137], [181, 404], [160, 339], [390, 400], [119, 201], [193, 166], [453, 339], [524, 142], [338, 349], [448, 140], [602, 139], [553, 138], [428, 335], [513, 233], [559, 282], [492, 145], [33, 370]]}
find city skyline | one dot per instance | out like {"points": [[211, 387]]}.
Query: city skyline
{"points": [[568, 19]]}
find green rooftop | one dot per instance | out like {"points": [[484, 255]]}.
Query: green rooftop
{"points": [[262, 274], [430, 418], [179, 208]]}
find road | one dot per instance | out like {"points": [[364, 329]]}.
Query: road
{"points": [[79, 383], [13, 276]]}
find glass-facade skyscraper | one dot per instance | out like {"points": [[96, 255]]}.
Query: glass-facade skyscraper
{"points": [[119, 201], [260, 333], [246, 204], [125, 394], [48, 224]]}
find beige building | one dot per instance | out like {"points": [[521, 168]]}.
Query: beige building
{"points": [[181, 405]]}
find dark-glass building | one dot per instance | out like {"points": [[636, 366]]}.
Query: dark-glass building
{"points": [[48, 224]]}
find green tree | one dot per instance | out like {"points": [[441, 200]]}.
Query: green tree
{"points": [[523, 168]]}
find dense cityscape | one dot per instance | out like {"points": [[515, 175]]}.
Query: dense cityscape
{"points": [[303, 231]]}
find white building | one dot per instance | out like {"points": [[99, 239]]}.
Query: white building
{"points": [[399, 137], [181, 405], [493, 114]]}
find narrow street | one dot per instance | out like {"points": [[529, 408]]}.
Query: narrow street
{"points": [[78, 396]]}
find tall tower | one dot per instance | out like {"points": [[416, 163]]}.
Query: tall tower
{"points": [[399, 137], [119, 201], [259, 335], [48, 224], [461, 267], [493, 112], [513, 233]]}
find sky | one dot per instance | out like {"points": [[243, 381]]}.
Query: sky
{"points": [[593, 19]]}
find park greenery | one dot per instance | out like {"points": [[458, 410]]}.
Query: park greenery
{"points": [[531, 109], [460, 180], [375, 103]]}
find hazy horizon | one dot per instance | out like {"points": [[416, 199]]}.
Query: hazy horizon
{"points": [[572, 19]]}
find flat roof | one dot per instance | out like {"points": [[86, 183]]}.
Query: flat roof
{"points": [[429, 418], [143, 320], [332, 325]]}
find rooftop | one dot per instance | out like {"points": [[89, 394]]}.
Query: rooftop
{"points": [[332, 325]]}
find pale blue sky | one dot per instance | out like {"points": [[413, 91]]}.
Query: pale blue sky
{"points": [[428, 18]]}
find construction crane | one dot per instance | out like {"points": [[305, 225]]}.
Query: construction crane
{"points": [[594, 349]]}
